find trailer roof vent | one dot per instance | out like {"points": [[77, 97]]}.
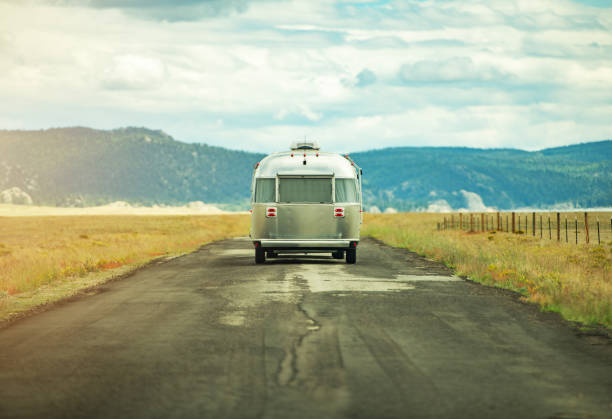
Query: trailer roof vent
{"points": [[305, 145]]}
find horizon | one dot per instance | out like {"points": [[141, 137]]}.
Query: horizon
{"points": [[242, 74], [321, 143]]}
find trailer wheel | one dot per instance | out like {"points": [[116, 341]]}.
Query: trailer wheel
{"points": [[351, 255], [338, 254], [260, 255]]}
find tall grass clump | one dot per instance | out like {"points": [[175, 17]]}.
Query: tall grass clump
{"points": [[573, 280]]}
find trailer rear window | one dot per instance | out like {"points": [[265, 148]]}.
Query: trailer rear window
{"points": [[346, 190], [265, 190], [305, 190]]}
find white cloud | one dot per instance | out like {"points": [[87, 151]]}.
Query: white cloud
{"points": [[164, 10], [356, 76], [449, 70], [132, 72]]}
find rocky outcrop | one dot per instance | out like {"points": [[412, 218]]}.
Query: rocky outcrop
{"points": [[15, 195]]}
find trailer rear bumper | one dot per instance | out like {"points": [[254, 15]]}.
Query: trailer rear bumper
{"points": [[306, 244]]}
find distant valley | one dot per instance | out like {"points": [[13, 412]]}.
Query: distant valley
{"points": [[83, 167]]}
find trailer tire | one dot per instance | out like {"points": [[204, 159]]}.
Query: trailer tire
{"points": [[260, 255], [351, 255], [338, 254]]}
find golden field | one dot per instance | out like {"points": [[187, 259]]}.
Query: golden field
{"points": [[572, 279], [46, 258]]}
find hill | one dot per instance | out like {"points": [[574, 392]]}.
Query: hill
{"points": [[408, 178], [82, 166]]}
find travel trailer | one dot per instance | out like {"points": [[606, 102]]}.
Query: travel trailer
{"points": [[306, 201]]}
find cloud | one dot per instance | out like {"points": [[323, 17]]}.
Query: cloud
{"points": [[168, 10], [454, 69], [365, 78], [132, 72], [355, 75], [595, 3]]}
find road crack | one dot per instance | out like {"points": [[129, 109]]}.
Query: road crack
{"points": [[288, 369]]}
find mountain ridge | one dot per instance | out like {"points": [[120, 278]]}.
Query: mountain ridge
{"points": [[502, 178], [79, 166]]}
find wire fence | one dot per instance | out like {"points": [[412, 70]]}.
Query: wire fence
{"points": [[566, 227]]}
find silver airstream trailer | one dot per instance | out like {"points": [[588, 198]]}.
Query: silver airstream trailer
{"points": [[306, 201]]}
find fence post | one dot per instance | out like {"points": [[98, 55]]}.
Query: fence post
{"points": [[598, 236], [507, 222], [471, 222], [576, 221], [460, 221], [498, 219], [586, 227], [452, 221], [533, 227], [513, 221], [540, 226], [549, 229], [559, 227], [482, 226], [566, 239]]}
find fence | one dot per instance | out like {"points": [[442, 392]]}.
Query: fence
{"points": [[566, 227]]}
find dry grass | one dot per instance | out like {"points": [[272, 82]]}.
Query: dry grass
{"points": [[573, 280], [46, 258], [116, 208], [43, 259]]}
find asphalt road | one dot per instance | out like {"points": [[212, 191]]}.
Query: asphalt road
{"points": [[212, 335]]}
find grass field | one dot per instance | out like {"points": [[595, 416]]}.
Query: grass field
{"points": [[46, 258], [571, 224], [43, 259], [572, 279]]}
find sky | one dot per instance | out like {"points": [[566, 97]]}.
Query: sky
{"points": [[354, 75]]}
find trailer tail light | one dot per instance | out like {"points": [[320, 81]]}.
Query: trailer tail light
{"points": [[270, 212], [338, 212]]}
